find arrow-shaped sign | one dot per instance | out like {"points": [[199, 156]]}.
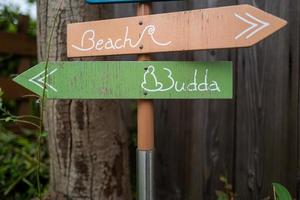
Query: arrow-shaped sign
{"points": [[130, 80], [213, 28]]}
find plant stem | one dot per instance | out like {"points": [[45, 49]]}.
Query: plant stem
{"points": [[30, 95], [26, 122], [23, 121], [42, 101], [27, 116], [274, 193], [18, 180]]}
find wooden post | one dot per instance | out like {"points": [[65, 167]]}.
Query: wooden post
{"points": [[145, 118], [145, 125]]}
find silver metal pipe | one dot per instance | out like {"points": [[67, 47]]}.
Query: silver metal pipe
{"points": [[145, 175]]}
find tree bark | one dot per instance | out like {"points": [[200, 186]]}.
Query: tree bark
{"points": [[88, 140]]}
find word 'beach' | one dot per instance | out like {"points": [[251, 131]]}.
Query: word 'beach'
{"points": [[89, 42]]}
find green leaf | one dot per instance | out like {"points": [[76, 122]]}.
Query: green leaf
{"points": [[1, 92], [223, 179], [222, 195], [280, 192], [15, 182], [7, 119], [44, 134]]}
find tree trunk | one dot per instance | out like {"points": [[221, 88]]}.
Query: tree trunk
{"points": [[88, 140]]}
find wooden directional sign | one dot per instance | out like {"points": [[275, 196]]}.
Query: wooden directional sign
{"points": [[121, 1], [214, 28], [131, 80]]}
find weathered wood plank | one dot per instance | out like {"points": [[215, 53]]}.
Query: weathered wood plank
{"points": [[12, 90], [264, 130], [258, 166], [173, 149], [24, 45], [294, 101], [131, 80], [195, 139], [25, 107]]}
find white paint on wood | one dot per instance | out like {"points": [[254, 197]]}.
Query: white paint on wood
{"points": [[40, 82], [253, 25]]}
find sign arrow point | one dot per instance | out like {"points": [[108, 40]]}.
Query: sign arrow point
{"points": [[36, 76], [39, 80], [260, 24], [254, 23]]}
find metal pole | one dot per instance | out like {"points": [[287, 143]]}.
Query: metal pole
{"points": [[145, 136]]}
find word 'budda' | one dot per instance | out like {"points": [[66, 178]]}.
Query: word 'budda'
{"points": [[152, 84]]}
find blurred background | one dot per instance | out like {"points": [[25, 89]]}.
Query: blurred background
{"points": [[18, 137]]}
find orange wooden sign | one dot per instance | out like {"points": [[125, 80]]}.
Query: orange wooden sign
{"points": [[213, 28]]}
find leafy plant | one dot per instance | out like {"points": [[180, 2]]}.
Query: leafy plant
{"points": [[36, 156], [9, 18], [227, 192], [280, 192], [17, 158], [18, 164], [9, 22], [7, 117]]}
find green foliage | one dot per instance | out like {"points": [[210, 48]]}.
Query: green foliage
{"points": [[17, 157], [9, 19], [6, 116], [31, 1], [18, 165], [280, 192], [32, 28], [23, 156], [1, 94], [227, 192]]}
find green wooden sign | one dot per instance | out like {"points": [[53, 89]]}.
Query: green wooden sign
{"points": [[131, 80]]}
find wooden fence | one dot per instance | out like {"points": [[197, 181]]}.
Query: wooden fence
{"points": [[253, 139], [24, 47]]}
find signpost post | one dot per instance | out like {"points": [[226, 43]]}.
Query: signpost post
{"points": [[145, 129]]}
